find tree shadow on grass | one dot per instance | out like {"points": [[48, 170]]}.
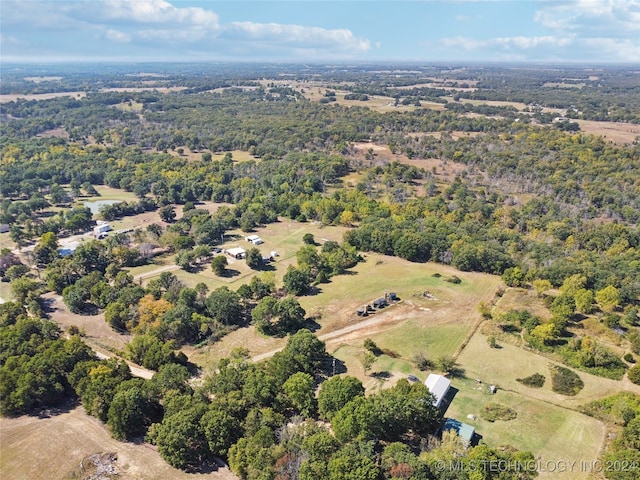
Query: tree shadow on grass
{"points": [[311, 324], [230, 273], [384, 375], [65, 406]]}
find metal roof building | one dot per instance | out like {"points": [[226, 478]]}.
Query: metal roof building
{"points": [[438, 386]]}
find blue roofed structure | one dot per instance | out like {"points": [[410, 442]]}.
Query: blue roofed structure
{"points": [[463, 430]]}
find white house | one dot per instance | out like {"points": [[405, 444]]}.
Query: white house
{"points": [[68, 249], [438, 386], [236, 252]]}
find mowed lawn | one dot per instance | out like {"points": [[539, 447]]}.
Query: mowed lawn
{"points": [[548, 424], [550, 432]]}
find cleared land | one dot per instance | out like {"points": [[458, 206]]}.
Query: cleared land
{"points": [[614, 132], [46, 447], [436, 326]]}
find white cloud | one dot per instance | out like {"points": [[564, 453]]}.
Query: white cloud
{"points": [[156, 11], [520, 42], [591, 18], [165, 29], [117, 36], [297, 36], [577, 29]]}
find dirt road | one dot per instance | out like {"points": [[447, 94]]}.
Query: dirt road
{"points": [[385, 317]]}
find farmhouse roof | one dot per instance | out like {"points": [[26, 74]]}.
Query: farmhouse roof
{"points": [[236, 251], [438, 386]]}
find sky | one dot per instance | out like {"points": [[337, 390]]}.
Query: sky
{"points": [[321, 31]]}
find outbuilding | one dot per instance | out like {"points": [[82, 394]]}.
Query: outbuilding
{"points": [[438, 386], [463, 430], [380, 302], [255, 239]]}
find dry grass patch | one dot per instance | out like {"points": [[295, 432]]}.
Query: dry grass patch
{"points": [[42, 448], [614, 132], [521, 299]]}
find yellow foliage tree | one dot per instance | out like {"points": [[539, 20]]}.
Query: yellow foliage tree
{"points": [[150, 312]]}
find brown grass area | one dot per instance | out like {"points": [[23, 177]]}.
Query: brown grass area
{"points": [[40, 96], [521, 299], [445, 171], [56, 132], [334, 309], [614, 132], [42, 448]]}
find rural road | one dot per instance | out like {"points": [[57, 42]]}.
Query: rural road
{"points": [[136, 370], [157, 271]]}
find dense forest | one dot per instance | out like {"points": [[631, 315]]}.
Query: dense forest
{"points": [[536, 201]]}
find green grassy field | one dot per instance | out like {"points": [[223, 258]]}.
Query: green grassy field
{"points": [[550, 432], [501, 366], [548, 423]]}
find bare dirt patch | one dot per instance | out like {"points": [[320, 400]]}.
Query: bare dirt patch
{"points": [[56, 132], [45, 447]]}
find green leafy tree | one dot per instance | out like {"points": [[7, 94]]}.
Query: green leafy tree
{"points": [[513, 277], [291, 315], [304, 352], [335, 393], [46, 250], [180, 437], [572, 284], [355, 461], [563, 307], [264, 314], [167, 213], [224, 306], [254, 258], [219, 264], [299, 392], [584, 300], [541, 286], [150, 352], [634, 374], [221, 429], [608, 298], [296, 282], [131, 410], [22, 287], [367, 359]]}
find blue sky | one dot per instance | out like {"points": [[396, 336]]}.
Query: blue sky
{"points": [[576, 31]]}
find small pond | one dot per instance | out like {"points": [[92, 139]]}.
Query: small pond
{"points": [[95, 205]]}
